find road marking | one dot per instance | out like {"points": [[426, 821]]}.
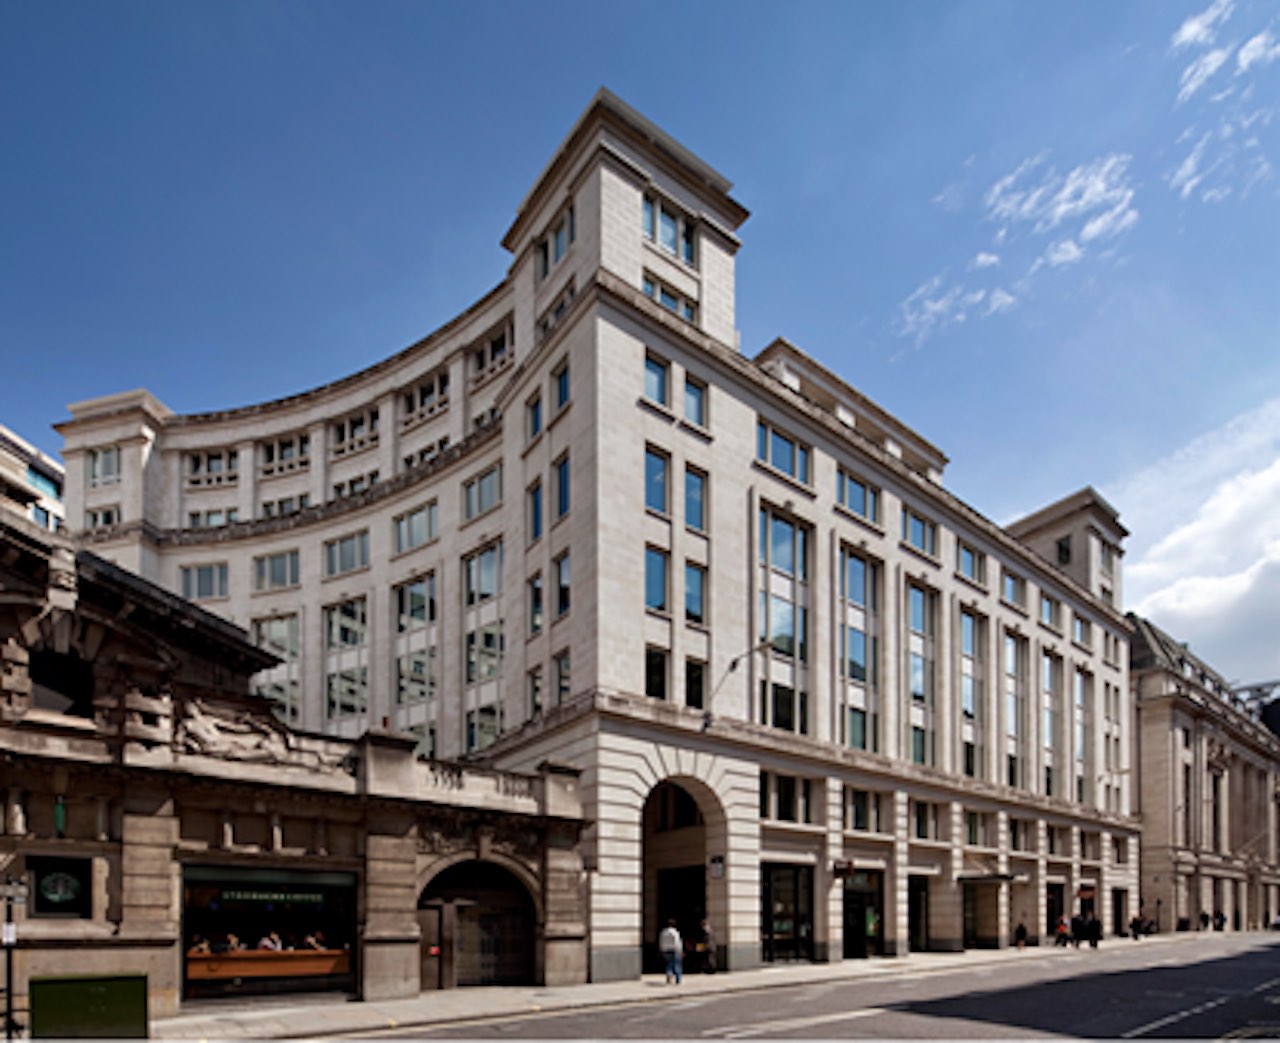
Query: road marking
{"points": [[1179, 1016], [765, 1028]]}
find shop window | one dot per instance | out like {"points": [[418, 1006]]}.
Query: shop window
{"points": [[61, 887]]}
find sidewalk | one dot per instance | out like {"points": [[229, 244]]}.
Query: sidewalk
{"points": [[332, 1015]]}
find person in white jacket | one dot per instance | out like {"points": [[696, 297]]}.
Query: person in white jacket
{"points": [[671, 945]]}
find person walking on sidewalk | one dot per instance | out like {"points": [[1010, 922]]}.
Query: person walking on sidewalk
{"points": [[706, 948], [671, 945]]}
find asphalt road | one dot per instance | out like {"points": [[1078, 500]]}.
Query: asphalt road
{"points": [[1226, 985]]}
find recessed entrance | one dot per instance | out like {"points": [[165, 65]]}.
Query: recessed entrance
{"points": [[479, 927], [675, 874]]}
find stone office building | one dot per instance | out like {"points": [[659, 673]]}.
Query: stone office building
{"points": [[1209, 781], [158, 812], [814, 696]]}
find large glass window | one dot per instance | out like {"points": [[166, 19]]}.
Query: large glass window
{"points": [[858, 495], [782, 452], [415, 528], [483, 492], [347, 553], [276, 571], [695, 604], [695, 499], [204, 581], [656, 465], [655, 580], [657, 377], [483, 574]]}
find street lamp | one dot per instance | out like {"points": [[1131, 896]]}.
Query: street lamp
{"points": [[15, 893], [731, 668]]}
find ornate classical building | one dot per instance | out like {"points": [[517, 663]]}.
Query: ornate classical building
{"points": [[813, 694], [1209, 778], [158, 812]]}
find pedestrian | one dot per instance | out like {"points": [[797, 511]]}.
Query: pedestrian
{"points": [[1135, 926], [1092, 929], [1204, 920], [1061, 932], [671, 945], [706, 947], [1077, 930], [1020, 935], [1219, 920]]}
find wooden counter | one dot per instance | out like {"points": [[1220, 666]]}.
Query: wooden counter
{"points": [[267, 963]]}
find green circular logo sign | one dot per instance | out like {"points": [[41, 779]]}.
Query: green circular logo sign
{"points": [[60, 887]]}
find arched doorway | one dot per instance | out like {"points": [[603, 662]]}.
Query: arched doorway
{"points": [[675, 867], [479, 927]]}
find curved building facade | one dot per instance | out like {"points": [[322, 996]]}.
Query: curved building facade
{"points": [[815, 697]]}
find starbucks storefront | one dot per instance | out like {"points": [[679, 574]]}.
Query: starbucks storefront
{"points": [[267, 930]]}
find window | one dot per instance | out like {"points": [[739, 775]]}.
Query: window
{"points": [[533, 511], [669, 228], [859, 629], [695, 499], [533, 685], [1106, 558], [416, 603], [656, 380], [924, 819], [782, 452], [970, 563], [858, 496], [1013, 589], [428, 454], [560, 478], [204, 581], [655, 480], [214, 518], [355, 432], [218, 467], [61, 887], [104, 466], [562, 584], [555, 243], [276, 571], [655, 580], [416, 527], [784, 572], [782, 707], [695, 683], [973, 630], [533, 417], [535, 604], [482, 573], [554, 312], [655, 673], [695, 401], [429, 397], [1082, 632], [346, 664], [561, 665], [347, 554], [102, 517], [484, 653], [863, 811], [355, 485], [669, 298], [416, 610], [491, 354], [695, 583], [286, 505], [1050, 612], [1015, 693], [1064, 550], [919, 532], [560, 385], [482, 493], [281, 636]]}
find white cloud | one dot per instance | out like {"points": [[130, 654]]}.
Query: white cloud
{"points": [[930, 308], [1000, 301], [1198, 73], [1063, 252], [1204, 558], [1099, 190], [1199, 29], [1262, 49], [1188, 175], [1215, 195], [985, 260], [950, 199]]}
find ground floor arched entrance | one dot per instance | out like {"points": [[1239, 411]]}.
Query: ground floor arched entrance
{"points": [[675, 871], [479, 927]]}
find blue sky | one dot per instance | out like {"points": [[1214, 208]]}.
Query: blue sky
{"points": [[1045, 235]]}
